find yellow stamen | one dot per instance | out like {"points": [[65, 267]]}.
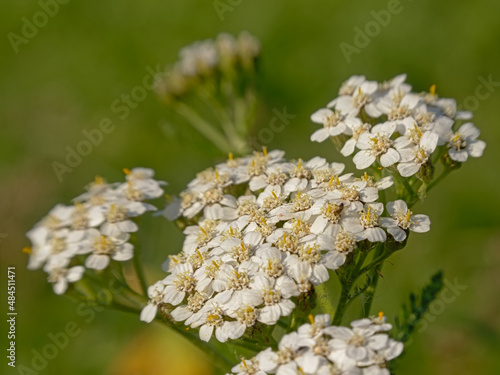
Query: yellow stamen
{"points": [[433, 90], [274, 195], [203, 231], [98, 180], [418, 131], [380, 315], [126, 171], [368, 212], [230, 156], [27, 250], [408, 216], [311, 318], [264, 150]]}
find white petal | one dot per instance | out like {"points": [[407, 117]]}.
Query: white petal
{"points": [[348, 148], [320, 135], [206, 332], [125, 252], [408, 169], [356, 353], [75, 273], [148, 313], [457, 155], [375, 234], [363, 159], [469, 131], [269, 315], [398, 233], [60, 286], [181, 313], [476, 148], [389, 158], [321, 115], [97, 262], [397, 205], [421, 224]]}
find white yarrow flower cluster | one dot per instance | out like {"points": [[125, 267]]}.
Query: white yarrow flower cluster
{"points": [[97, 226], [321, 349], [248, 258], [208, 58], [393, 126]]}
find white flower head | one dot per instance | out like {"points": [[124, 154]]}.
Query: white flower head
{"points": [[377, 145], [402, 219], [464, 143]]}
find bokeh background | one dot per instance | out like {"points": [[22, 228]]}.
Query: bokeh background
{"points": [[91, 52]]}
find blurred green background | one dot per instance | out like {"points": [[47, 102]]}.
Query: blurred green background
{"points": [[64, 79]]}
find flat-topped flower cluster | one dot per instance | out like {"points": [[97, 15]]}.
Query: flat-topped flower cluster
{"points": [[391, 125], [321, 349], [207, 59], [264, 231], [97, 225]]}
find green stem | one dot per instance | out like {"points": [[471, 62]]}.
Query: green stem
{"points": [[206, 129], [227, 124], [408, 187], [342, 305], [373, 276], [347, 282], [120, 307], [445, 173]]}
